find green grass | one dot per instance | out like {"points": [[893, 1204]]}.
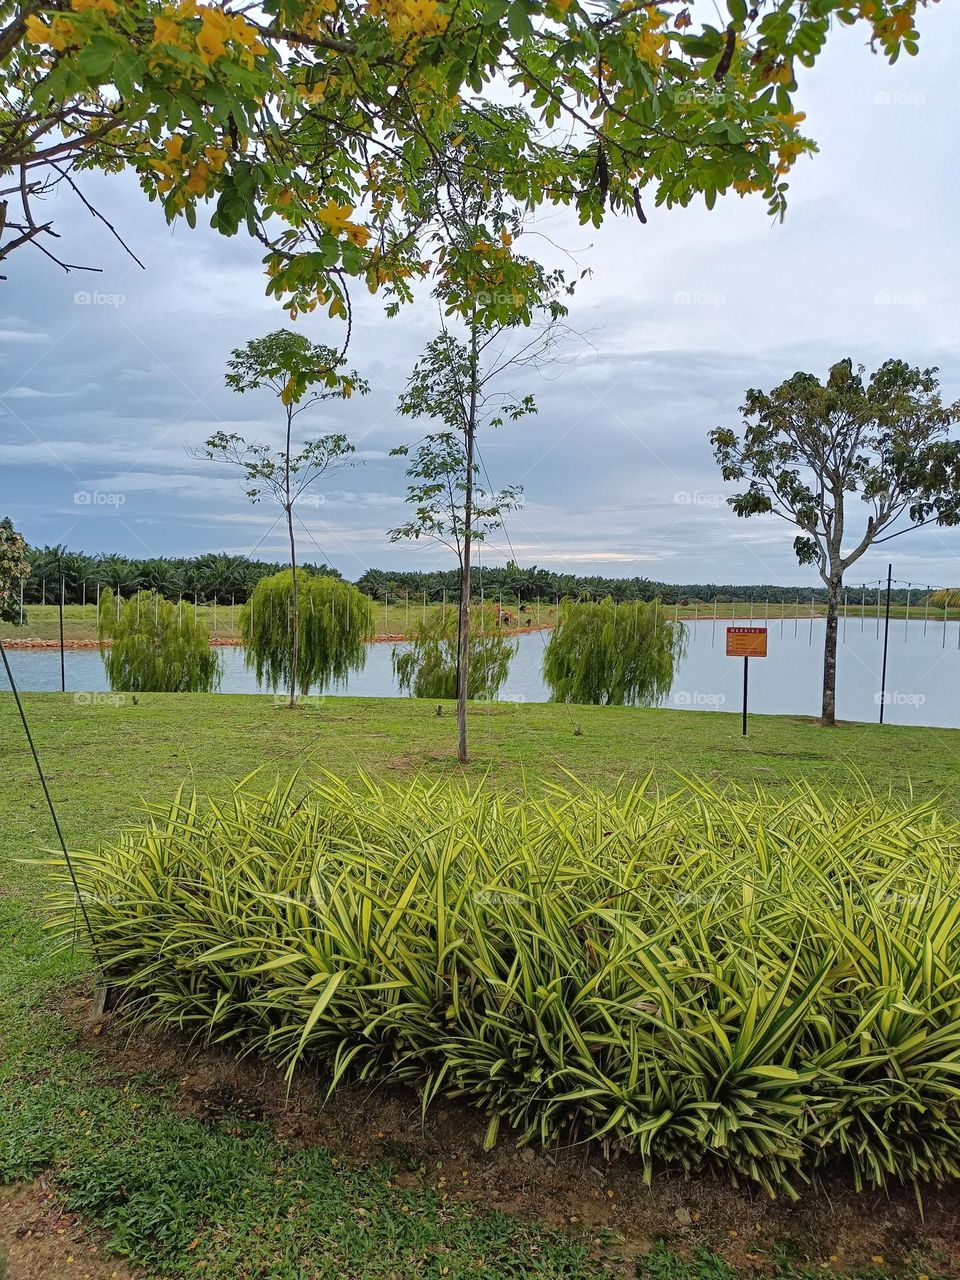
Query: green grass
{"points": [[160, 1182]]}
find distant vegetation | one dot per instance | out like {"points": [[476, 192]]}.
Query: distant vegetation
{"points": [[229, 578]]}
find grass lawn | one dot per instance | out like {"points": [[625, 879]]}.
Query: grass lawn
{"points": [[234, 1189]]}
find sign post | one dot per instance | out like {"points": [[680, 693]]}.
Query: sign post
{"points": [[746, 643]]}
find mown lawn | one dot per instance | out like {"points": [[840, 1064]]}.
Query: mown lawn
{"points": [[232, 1198]]}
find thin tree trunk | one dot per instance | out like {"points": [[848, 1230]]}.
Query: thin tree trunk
{"points": [[828, 712], [463, 655], [294, 595]]}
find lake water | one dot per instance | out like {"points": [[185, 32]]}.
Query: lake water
{"points": [[923, 672]]}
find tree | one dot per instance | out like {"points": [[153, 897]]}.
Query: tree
{"points": [[291, 366], [613, 654], [148, 645], [333, 619], [452, 383], [14, 569], [428, 666], [307, 123], [809, 448]]}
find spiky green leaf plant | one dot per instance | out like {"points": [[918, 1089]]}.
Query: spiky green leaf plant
{"points": [[427, 667], [149, 644], [614, 654], [336, 621], [759, 985]]}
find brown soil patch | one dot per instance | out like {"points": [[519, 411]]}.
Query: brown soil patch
{"points": [[830, 1226], [40, 1241]]}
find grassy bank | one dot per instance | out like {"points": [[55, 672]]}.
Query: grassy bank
{"points": [[231, 1188], [400, 619]]}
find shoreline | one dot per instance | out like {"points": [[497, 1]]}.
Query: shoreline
{"points": [[228, 642]]}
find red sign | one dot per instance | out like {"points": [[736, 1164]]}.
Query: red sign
{"points": [[746, 642]]}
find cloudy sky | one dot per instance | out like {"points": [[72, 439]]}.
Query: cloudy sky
{"points": [[101, 399]]}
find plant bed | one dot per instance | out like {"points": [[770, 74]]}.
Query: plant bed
{"points": [[759, 987]]}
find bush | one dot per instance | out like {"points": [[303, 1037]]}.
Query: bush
{"points": [[335, 623], [427, 666], [752, 983], [149, 645], [613, 654]]}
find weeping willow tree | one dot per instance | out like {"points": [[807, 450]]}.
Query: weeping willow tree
{"points": [[428, 667], [335, 621], [613, 654], [150, 645]]}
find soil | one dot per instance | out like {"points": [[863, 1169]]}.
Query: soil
{"points": [[40, 1241], [830, 1226]]}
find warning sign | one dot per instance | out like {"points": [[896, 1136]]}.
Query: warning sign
{"points": [[746, 642]]}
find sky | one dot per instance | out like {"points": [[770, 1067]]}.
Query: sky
{"points": [[109, 379]]}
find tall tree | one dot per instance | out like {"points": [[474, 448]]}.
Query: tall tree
{"points": [[810, 449], [301, 374], [307, 123], [14, 569]]}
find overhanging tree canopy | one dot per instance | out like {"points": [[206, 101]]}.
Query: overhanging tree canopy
{"points": [[311, 124]]}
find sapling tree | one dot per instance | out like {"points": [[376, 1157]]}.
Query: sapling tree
{"points": [[150, 645], [817, 453], [613, 654], [502, 311], [301, 374]]}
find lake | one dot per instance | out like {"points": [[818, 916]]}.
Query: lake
{"points": [[923, 671]]}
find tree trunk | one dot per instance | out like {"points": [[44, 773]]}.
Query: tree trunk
{"points": [[295, 594], [463, 637], [828, 712]]}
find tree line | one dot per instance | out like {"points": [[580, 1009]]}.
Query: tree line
{"points": [[232, 578]]}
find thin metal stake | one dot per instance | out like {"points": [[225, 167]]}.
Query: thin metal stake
{"points": [[50, 805]]}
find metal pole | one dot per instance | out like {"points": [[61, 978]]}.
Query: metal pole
{"points": [[63, 671], [886, 632], [907, 618], [746, 669]]}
